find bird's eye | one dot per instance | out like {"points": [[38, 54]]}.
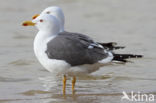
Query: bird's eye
{"points": [[48, 12], [41, 20]]}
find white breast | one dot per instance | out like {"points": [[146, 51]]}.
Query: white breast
{"points": [[52, 65]]}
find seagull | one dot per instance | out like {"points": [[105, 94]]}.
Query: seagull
{"points": [[58, 13], [64, 53]]}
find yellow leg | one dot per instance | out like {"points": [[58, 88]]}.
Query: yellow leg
{"points": [[73, 83], [64, 84]]}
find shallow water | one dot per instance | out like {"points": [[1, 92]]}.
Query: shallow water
{"points": [[131, 23]]}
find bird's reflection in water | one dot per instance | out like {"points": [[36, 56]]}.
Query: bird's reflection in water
{"points": [[51, 83], [87, 86]]}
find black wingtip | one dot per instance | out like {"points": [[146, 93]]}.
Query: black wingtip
{"points": [[112, 46], [136, 56], [124, 57], [118, 47]]}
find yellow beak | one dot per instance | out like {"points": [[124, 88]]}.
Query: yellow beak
{"points": [[28, 23], [35, 16]]}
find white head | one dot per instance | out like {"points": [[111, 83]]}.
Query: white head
{"points": [[45, 23], [58, 13]]}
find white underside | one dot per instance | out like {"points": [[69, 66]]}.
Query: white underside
{"points": [[58, 67]]}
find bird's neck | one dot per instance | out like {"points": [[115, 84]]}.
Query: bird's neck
{"points": [[43, 37]]}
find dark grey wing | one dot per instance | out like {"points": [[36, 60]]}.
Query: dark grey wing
{"points": [[77, 35], [73, 51], [82, 38], [86, 39]]}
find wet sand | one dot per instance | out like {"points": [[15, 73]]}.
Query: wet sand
{"points": [[129, 23]]}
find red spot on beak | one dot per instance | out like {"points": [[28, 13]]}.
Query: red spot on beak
{"points": [[24, 24]]}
